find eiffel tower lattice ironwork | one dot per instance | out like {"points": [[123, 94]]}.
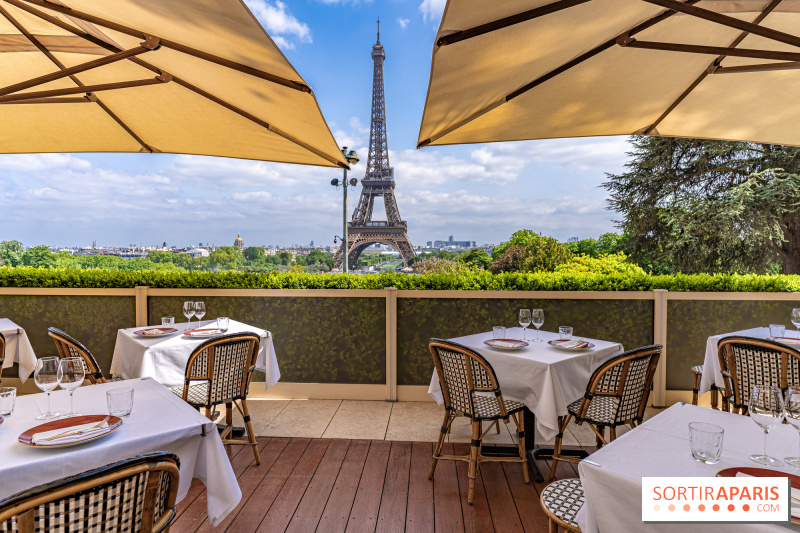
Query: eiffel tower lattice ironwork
{"points": [[378, 181]]}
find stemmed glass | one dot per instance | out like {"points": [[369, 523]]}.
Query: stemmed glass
{"points": [[793, 418], [538, 321], [766, 410], [796, 319], [70, 377], [188, 312], [46, 377], [199, 310], [524, 320]]}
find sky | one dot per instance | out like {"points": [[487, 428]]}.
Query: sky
{"points": [[480, 193]]}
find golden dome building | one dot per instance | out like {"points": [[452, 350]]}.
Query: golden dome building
{"points": [[239, 243]]}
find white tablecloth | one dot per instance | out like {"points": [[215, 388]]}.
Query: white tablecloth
{"points": [[660, 447], [164, 358], [18, 348], [541, 376], [160, 421], [711, 370]]}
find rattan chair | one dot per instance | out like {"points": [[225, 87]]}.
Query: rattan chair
{"points": [[69, 347], [470, 389], [219, 371], [697, 376], [561, 500], [616, 395], [135, 495], [747, 362]]}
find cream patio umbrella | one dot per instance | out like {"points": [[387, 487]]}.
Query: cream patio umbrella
{"points": [[536, 69], [178, 76]]}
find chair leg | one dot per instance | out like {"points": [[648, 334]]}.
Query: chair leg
{"points": [[520, 422], [474, 449], [249, 426], [553, 526], [562, 425], [497, 426], [612, 433], [440, 443], [601, 430], [695, 388], [714, 397]]}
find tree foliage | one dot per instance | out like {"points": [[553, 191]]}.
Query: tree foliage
{"points": [[528, 251]]}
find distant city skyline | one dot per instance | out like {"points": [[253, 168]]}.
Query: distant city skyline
{"points": [[478, 192]]}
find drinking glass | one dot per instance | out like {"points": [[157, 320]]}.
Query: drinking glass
{"points": [[793, 417], [167, 321], [46, 378], [796, 319], [223, 322], [188, 312], [776, 331], [706, 442], [70, 377], [120, 401], [524, 320], [499, 332], [766, 410], [565, 333], [199, 310], [8, 397], [538, 321]]}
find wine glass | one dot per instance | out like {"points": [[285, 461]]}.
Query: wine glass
{"points": [[538, 320], [796, 319], [766, 410], [188, 312], [46, 378], [524, 320], [70, 377], [199, 310], [793, 417]]}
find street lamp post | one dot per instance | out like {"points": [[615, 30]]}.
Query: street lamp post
{"points": [[352, 159]]}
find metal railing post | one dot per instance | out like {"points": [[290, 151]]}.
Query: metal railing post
{"points": [[141, 306], [660, 297], [391, 344]]}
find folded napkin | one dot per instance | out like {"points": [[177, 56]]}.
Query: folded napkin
{"points": [[38, 437], [505, 344], [580, 343], [795, 497]]}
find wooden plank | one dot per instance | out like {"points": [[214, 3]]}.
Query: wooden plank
{"points": [[477, 517], [526, 500], [249, 481], [309, 511], [282, 510], [419, 511], [364, 514], [501, 501], [262, 498], [392, 514], [446, 496], [337, 509]]}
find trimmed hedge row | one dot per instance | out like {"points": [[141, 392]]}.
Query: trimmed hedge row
{"points": [[480, 280]]}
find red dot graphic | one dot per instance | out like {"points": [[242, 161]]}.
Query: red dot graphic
{"points": [[731, 507], [687, 507], [701, 507], [716, 507], [671, 507], [745, 507]]}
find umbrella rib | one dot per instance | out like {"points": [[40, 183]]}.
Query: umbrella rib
{"points": [[38, 44], [505, 22], [86, 89], [783, 65], [650, 129], [121, 28], [709, 50], [552, 74]]}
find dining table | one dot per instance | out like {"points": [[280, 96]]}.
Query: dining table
{"points": [[543, 377], [159, 421], [164, 358], [612, 476], [18, 349]]}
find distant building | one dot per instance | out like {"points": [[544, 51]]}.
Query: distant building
{"points": [[239, 242], [311, 245], [573, 239], [194, 253], [450, 243]]}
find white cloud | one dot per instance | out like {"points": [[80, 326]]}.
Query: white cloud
{"points": [[254, 196], [279, 22], [432, 9], [35, 162], [403, 22]]}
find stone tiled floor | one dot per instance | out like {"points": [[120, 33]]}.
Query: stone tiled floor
{"points": [[375, 420]]}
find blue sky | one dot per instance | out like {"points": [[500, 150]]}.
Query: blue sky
{"points": [[477, 192]]}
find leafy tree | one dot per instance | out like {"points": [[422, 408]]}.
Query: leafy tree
{"points": [[529, 252], [587, 247], [225, 258], [692, 205], [254, 255], [11, 253], [604, 264], [284, 258], [476, 258], [38, 256]]}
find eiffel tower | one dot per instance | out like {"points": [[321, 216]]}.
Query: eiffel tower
{"points": [[377, 182]]}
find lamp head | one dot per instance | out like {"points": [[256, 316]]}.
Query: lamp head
{"points": [[353, 182], [351, 156], [335, 182]]}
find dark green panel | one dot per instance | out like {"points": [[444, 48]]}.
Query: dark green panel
{"points": [[629, 322], [93, 320], [317, 340], [691, 322]]}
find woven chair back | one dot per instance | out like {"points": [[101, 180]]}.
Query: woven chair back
{"points": [[69, 347], [629, 378], [226, 363], [135, 495], [748, 362], [462, 372]]}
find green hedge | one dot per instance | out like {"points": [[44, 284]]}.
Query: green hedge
{"points": [[481, 280]]}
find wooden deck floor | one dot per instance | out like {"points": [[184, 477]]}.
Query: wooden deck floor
{"points": [[332, 485]]}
